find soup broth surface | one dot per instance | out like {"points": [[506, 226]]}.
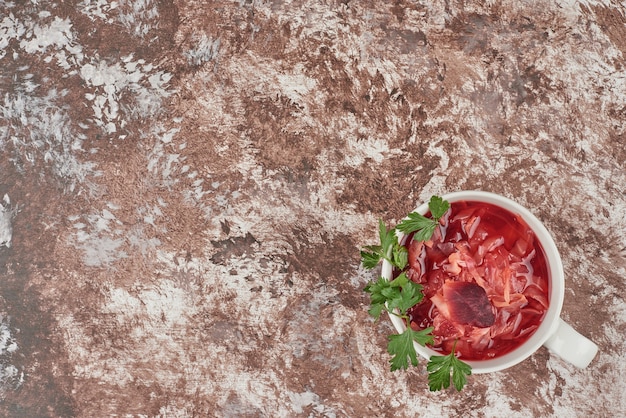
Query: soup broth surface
{"points": [[485, 281]]}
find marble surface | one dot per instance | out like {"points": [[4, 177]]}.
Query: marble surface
{"points": [[186, 185]]}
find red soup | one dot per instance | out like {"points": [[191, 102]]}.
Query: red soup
{"points": [[485, 280]]}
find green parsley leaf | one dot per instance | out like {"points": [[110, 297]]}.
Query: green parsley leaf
{"points": [[438, 207], [402, 349], [407, 294], [426, 233], [387, 237], [422, 226], [442, 368], [378, 299], [400, 256], [376, 309], [389, 249], [410, 296], [414, 222], [371, 256]]}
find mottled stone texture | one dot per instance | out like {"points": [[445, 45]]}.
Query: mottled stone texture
{"points": [[185, 187]]}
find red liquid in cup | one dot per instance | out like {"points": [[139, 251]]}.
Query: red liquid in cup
{"points": [[485, 281]]}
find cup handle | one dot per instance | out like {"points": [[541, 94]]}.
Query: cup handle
{"points": [[571, 346]]}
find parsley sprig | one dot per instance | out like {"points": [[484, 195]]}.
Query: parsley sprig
{"points": [[441, 367], [422, 226], [389, 249], [400, 294], [397, 297]]}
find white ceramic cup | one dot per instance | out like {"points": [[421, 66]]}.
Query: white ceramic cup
{"points": [[553, 333]]}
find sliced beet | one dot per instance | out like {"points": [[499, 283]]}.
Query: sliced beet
{"points": [[468, 304]]}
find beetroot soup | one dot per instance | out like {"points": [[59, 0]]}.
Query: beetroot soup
{"points": [[485, 281]]}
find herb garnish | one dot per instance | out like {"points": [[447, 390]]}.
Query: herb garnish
{"points": [[422, 226], [439, 368], [400, 294]]}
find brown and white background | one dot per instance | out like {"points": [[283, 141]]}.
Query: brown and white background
{"points": [[185, 186]]}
